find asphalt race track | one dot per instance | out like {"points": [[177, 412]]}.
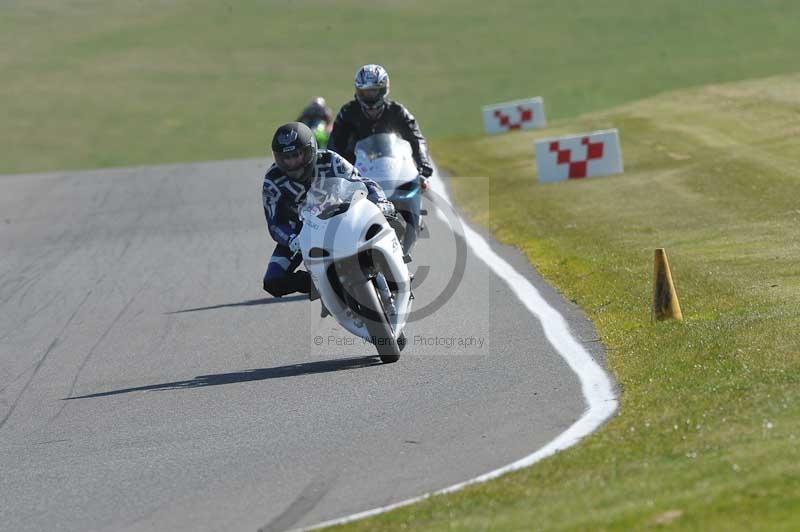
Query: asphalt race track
{"points": [[148, 383]]}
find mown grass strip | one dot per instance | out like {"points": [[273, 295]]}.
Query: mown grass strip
{"points": [[89, 83], [708, 433]]}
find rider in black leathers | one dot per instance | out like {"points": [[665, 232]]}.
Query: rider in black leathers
{"points": [[316, 111], [370, 112]]}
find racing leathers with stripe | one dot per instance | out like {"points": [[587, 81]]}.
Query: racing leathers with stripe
{"points": [[283, 199]]}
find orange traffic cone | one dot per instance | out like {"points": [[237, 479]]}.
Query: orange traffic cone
{"points": [[665, 298]]}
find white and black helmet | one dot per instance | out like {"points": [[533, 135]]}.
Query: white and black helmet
{"points": [[294, 149], [372, 87]]}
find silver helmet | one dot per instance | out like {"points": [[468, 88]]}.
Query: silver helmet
{"points": [[372, 87]]}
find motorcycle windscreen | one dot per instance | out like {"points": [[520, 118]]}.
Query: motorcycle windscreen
{"points": [[386, 159], [329, 196]]}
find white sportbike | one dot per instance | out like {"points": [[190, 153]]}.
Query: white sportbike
{"points": [[387, 159], [356, 263]]}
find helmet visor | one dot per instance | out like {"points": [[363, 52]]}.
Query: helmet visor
{"points": [[370, 97], [293, 160]]}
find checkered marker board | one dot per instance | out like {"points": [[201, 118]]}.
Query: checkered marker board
{"points": [[575, 157], [509, 116]]}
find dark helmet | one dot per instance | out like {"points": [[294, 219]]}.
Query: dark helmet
{"points": [[317, 103], [317, 109], [294, 148]]}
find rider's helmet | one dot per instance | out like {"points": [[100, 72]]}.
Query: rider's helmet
{"points": [[372, 86], [317, 109], [294, 149]]}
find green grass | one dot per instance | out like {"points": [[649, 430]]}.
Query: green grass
{"points": [[709, 422], [115, 82]]}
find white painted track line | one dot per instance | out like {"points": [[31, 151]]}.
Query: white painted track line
{"points": [[598, 391]]}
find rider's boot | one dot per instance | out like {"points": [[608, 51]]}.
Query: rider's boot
{"points": [[314, 295], [288, 284]]}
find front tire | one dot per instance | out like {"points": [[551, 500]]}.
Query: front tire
{"points": [[377, 323]]}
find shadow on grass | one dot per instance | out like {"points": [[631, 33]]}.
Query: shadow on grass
{"points": [[248, 303], [280, 372]]}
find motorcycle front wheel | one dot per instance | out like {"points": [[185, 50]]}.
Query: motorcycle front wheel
{"points": [[376, 322]]}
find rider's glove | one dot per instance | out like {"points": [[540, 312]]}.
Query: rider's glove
{"points": [[294, 243], [387, 208]]}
